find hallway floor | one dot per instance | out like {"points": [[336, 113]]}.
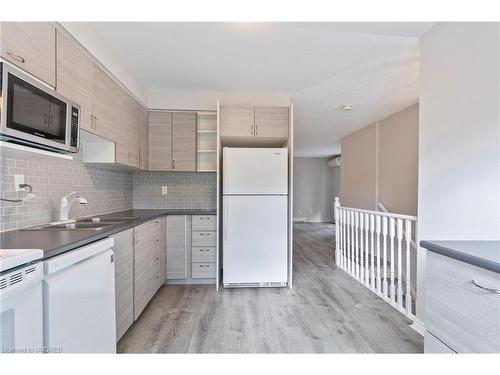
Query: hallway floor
{"points": [[327, 311]]}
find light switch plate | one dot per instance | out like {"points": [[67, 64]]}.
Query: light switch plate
{"points": [[164, 190], [18, 180]]}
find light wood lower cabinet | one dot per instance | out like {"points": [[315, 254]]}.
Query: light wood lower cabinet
{"points": [[462, 308], [177, 245], [32, 47], [124, 280], [147, 264]]}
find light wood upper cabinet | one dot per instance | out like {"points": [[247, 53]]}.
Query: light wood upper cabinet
{"points": [[143, 137], [160, 141], [271, 122], [127, 131], [124, 280], [236, 121], [30, 46], [104, 104], [268, 123], [75, 72], [183, 141]]}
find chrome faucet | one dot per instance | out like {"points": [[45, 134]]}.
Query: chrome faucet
{"points": [[66, 203]]}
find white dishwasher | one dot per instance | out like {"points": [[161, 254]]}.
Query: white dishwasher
{"points": [[79, 300]]}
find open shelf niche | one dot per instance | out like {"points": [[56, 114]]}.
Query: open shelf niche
{"points": [[207, 142]]}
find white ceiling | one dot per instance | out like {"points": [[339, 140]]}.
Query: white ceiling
{"points": [[373, 66]]}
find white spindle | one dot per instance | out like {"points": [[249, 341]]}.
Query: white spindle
{"points": [[400, 264], [353, 249], [384, 258], [361, 262], [344, 250], [356, 246], [367, 250], [377, 237], [348, 230], [372, 251], [337, 232], [391, 238], [408, 270]]}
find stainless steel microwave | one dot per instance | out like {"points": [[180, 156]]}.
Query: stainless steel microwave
{"points": [[32, 113]]}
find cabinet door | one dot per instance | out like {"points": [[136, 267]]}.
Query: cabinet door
{"points": [[160, 141], [104, 104], [236, 121], [143, 137], [163, 250], [177, 247], [127, 133], [183, 141], [143, 252], [123, 136], [124, 280], [30, 46], [74, 77], [271, 122]]}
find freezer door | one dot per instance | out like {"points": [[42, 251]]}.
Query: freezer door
{"points": [[251, 171], [255, 239]]}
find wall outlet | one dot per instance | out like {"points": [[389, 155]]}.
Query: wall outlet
{"points": [[164, 190], [18, 180]]}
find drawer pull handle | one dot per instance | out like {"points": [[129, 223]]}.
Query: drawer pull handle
{"points": [[16, 57], [491, 290], [202, 266], [157, 240]]}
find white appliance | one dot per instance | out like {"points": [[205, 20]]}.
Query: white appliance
{"points": [[79, 300], [255, 210], [21, 309]]}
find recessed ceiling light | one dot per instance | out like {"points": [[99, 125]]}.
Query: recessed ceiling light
{"points": [[347, 107]]}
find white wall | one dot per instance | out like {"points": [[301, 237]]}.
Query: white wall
{"points": [[314, 187], [459, 137], [459, 163], [207, 100], [90, 39]]}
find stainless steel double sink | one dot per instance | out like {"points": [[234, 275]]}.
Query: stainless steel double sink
{"points": [[94, 223]]}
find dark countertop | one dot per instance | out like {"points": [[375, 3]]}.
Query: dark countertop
{"points": [[56, 242], [484, 254]]}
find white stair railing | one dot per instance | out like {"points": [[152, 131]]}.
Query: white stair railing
{"points": [[373, 247]]}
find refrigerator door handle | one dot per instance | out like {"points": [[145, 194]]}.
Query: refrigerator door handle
{"points": [[225, 218]]}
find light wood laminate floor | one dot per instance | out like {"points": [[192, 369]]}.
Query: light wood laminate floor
{"points": [[327, 311]]}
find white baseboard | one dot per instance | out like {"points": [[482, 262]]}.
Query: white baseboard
{"points": [[418, 326]]}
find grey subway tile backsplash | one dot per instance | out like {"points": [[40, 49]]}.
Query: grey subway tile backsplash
{"points": [[185, 190], [106, 188]]}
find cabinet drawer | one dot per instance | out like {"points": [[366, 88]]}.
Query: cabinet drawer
{"points": [[155, 264], [203, 254], [204, 222], [460, 313], [204, 239], [203, 271], [432, 345]]}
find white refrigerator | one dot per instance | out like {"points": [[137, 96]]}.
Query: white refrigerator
{"points": [[255, 211]]}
